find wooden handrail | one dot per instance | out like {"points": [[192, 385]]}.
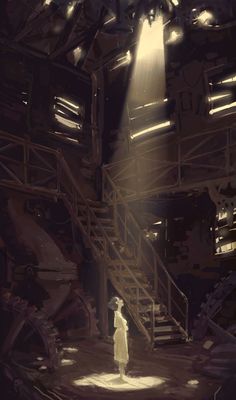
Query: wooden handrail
{"points": [[157, 262], [122, 200]]}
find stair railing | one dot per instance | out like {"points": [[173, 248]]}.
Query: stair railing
{"points": [[133, 238], [102, 244]]}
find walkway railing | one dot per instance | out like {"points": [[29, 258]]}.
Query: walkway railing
{"points": [[175, 164]]}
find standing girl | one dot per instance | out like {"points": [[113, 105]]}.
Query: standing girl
{"points": [[121, 355]]}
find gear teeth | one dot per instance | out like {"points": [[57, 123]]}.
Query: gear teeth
{"points": [[38, 321], [213, 302]]}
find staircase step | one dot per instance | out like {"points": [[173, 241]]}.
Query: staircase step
{"points": [[147, 322], [105, 222], [158, 330], [122, 267], [97, 207], [143, 297], [165, 339], [118, 262], [100, 238], [159, 323], [130, 279], [125, 271], [105, 227], [134, 285], [147, 308]]}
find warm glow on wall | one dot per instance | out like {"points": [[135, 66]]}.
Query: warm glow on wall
{"points": [[205, 18]]}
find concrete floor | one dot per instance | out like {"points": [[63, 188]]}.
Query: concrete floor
{"points": [[88, 372]]}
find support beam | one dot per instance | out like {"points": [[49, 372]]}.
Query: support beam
{"points": [[103, 299]]}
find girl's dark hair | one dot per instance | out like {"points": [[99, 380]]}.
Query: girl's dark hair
{"points": [[113, 303]]}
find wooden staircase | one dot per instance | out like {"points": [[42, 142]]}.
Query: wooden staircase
{"points": [[157, 306], [129, 278]]}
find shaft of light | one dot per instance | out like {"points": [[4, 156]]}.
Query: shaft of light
{"points": [[151, 38], [148, 83]]}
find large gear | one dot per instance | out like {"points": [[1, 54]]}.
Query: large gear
{"points": [[213, 305], [27, 331]]}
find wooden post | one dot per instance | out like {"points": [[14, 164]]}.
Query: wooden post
{"points": [[103, 299], [169, 296]]}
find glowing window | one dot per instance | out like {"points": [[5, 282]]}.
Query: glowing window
{"points": [[222, 215]]}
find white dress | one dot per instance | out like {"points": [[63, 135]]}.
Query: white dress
{"points": [[121, 354]]}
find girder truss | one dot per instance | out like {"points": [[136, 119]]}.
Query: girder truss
{"points": [[175, 164]]}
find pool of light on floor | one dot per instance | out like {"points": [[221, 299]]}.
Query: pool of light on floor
{"points": [[113, 382], [193, 382], [64, 362], [70, 349]]}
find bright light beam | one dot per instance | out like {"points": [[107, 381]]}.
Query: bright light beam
{"points": [[218, 97], [151, 129], [70, 9], [67, 122], [176, 35], [222, 108], [154, 103], [67, 108], [67, 102], [151, 38], [148, 82], [112, 19], [124, 60], [175, 2], [205, 18], [228, 80], [77, 52]]}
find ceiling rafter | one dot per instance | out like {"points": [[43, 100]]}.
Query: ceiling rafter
{"points": [[82, 34], [65, 37], [39, 21]]}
